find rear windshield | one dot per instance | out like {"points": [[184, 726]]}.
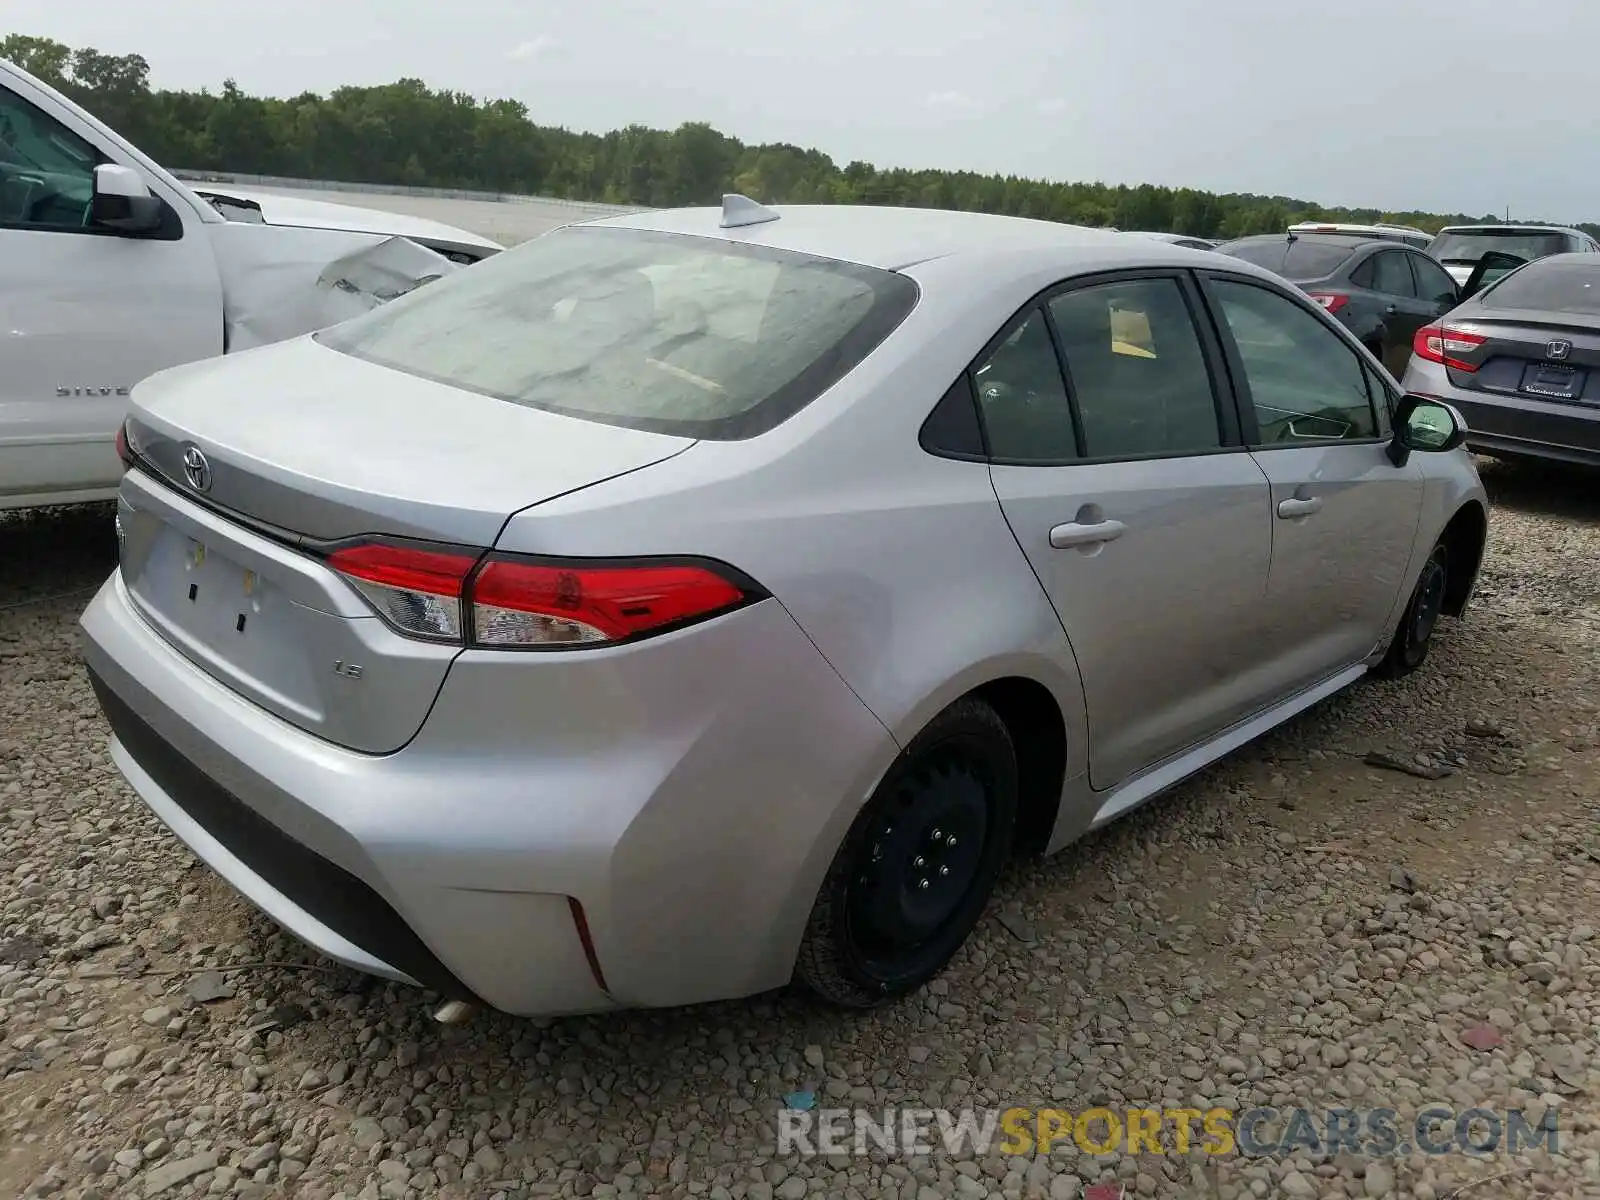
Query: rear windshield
{"points": [[1571, 287], [692, 336], [1469, 247], [1304, 258]]}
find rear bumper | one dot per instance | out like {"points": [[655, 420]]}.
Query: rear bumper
{"points": [[1516, 426], [687, 792], [1572, 448], [323, 903]]}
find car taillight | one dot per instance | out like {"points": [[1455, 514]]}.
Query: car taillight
{"points": [[1445, 344], [416, 590], [513, 601], [521, 602], [1332, 301], [124, 451]]}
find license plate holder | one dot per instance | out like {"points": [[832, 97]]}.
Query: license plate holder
{"points": [[1552, 381], [218, 590]]}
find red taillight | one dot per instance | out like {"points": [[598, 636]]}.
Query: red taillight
{"points": [[1445, 344], [417, 591], [517, 602], [124, 452], [1332, 301]]}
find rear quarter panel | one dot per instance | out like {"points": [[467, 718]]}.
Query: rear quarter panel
{"points": [[897, 564]]}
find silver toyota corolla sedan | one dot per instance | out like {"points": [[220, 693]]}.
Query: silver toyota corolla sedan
{"points": [[688, 602]]}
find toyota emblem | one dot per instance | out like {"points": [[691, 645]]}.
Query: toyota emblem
{"points": [[196, 468], [1558, 349]]}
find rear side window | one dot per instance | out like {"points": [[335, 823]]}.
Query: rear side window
{"points": [[1391, 275], [1138, 374], [1307, 257], [697, 337], [1566, 286], [1023, 398]]}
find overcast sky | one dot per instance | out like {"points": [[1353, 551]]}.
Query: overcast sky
{"points": [[1393, 103]]}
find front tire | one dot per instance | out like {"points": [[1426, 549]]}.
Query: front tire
{"points": [[919, 864], [1415, 634]]}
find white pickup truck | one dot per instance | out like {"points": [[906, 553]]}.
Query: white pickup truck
{"points": [[112, 269]]}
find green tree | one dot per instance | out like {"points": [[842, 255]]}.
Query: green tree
{"points": [[407, 132]]}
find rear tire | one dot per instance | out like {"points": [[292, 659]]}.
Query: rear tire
{"points": [[919, 864], [1412, 639]]}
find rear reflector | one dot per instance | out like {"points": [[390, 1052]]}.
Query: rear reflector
{"points": [[1445, 344], [582, 922], [1332, 301], [520, 602]]}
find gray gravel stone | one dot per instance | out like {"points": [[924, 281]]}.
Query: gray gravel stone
{"points": [[170, 1175]]}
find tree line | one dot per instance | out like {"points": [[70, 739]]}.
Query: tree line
{"points": [[408, 133]]}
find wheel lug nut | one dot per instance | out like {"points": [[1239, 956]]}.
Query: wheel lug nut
{"points": [[937, 834], [922, 883], [944, 870], [919, 861], [951, 840]]}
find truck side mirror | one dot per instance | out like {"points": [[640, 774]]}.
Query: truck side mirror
{"points": [[123, 201]]}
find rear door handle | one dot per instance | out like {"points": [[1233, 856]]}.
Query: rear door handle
{"points": [[1076, 533], [1297, 507]]}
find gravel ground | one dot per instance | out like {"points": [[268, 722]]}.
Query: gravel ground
{"points": [[1295, 926]]}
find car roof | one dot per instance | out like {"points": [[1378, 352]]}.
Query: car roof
{"points": [[895, 238], [1353, 240], [1354, 227], [1513, 229]]}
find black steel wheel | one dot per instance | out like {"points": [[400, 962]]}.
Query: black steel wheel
{"points": [[919, 864], [1412, 638]]}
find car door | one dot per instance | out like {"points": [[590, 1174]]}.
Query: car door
{"points": [[1126, 485], [1316, 416], [85, 312], [1403, 311], [1435, 289]]}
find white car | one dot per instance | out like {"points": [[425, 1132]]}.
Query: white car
{"points": [[1383, 230], [112, 269]]}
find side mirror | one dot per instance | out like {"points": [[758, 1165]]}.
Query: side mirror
{"points": [[122, 200], [1425, 424]]}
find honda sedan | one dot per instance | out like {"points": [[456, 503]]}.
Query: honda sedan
{"points": [[1522, 358], [688, 602]]}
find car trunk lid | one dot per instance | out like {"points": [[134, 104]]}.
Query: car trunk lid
{"points": [[224, 554], [320, 446], [1551, 356]]}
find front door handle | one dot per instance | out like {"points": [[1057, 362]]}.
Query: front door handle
{"points": [[1297, 506], [1079, 533]]}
